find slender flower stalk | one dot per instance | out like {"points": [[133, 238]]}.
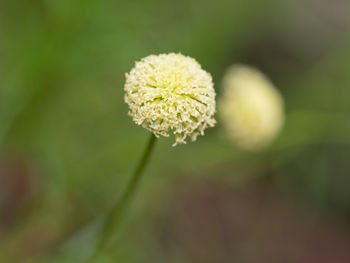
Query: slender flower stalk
{"points": [[168, 93], [113, 220]]}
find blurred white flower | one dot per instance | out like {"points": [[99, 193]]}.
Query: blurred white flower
{"points": [[171, 93], [251, 108]]}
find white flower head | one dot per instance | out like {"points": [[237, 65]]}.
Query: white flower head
{"points": [[171, 93], [251, 108]]}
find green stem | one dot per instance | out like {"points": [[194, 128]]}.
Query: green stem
{"points": [[113, 220]]}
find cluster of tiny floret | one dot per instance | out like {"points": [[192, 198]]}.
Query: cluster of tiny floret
{"points": [[171, 93]]}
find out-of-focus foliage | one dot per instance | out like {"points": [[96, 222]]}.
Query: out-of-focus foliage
{"points": [[68, 146]]}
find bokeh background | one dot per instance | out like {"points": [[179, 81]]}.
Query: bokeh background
{"points": [[67, 146]]}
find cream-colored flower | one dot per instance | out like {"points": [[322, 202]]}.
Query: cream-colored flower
{"points": [[251, 108], [171, 93]]}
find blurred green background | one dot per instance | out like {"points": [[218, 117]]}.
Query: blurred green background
{"points": [[67, 146]]}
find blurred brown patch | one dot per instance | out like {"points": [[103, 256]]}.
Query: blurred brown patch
{"points": [[223, 224], [16, 187], [30, 233]]}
